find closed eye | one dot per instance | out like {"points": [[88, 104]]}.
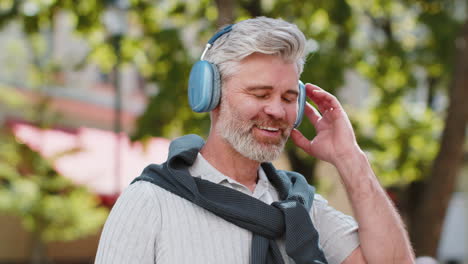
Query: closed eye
{"points": [[290, 99], [261, 96]]}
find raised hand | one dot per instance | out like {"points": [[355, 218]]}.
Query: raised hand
{"points": [[335, 138], [380, 226]]}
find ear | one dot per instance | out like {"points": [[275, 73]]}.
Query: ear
{"points": [[214, 118], [215, 112]]}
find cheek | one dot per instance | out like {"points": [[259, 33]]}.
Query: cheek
{"points": [[291, 111], [247, 109], [254, 110]]}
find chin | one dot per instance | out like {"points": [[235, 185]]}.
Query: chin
{"points": [[261, 152]]}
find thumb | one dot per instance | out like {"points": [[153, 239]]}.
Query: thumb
{"points": [[299, 140]]}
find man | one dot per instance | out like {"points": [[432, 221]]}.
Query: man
{"points": [[210, 202]]}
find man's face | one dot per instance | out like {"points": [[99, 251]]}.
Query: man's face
{"points": [[258, 107]]}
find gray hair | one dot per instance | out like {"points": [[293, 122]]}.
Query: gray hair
{"points": [[263, 35]]}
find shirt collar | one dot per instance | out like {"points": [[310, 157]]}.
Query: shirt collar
{"points": [[202, 169]]}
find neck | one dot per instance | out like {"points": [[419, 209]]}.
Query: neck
{"points": [[221, 155]]}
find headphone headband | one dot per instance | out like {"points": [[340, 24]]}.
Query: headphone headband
{"points": [[218, 34], [223, 31]]}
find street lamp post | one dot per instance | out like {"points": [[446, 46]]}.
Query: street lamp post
{"points": [[114, 20]]}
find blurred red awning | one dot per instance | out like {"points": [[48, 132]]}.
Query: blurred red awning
{"points": [[87, 156]]}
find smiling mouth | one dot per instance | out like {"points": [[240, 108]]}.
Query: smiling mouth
{"points": [[270, 129]]}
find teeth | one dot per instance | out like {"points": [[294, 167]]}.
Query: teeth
{"points": [[268, 128]]}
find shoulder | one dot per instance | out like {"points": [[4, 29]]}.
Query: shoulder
{"points": [[132, 225], [322, 212], [139, 197], [338, 235], [291, 174], [338, 232], [143, 192], [140, 190]]}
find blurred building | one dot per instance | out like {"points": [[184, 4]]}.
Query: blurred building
{"points": [[83, 95], [82, 108]]}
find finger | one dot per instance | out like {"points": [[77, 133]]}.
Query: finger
{"points": [[312, 113], [310, 88], [299, 140], [324, 100]]}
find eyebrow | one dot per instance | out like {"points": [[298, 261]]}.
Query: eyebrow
{"points": [[267, 87]]}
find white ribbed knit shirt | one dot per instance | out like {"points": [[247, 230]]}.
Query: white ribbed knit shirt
{"points": [[151, 225]]}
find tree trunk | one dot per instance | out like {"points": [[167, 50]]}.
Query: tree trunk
{"points": [[225, 12], [253, 7], [38, 250], [426, 224]]}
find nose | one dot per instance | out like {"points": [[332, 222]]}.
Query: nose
{"points": [[275, 109]]}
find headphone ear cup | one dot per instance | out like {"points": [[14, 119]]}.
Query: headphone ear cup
{"points": [[301, 100], [216, 95], [204, 87]]}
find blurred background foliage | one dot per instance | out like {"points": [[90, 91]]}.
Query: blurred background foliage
{"points": [[48, 205], [403, 53]]}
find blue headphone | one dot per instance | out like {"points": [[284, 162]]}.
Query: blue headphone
{"points": [[204, 88]]}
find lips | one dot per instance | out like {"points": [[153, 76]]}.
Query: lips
{"points": [[271, 132], [271, 125], [271, 129]]}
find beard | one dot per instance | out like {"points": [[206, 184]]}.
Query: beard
{"points": [[239, 134]]}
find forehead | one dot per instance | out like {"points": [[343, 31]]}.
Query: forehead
{"points": [[262, 70]]}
